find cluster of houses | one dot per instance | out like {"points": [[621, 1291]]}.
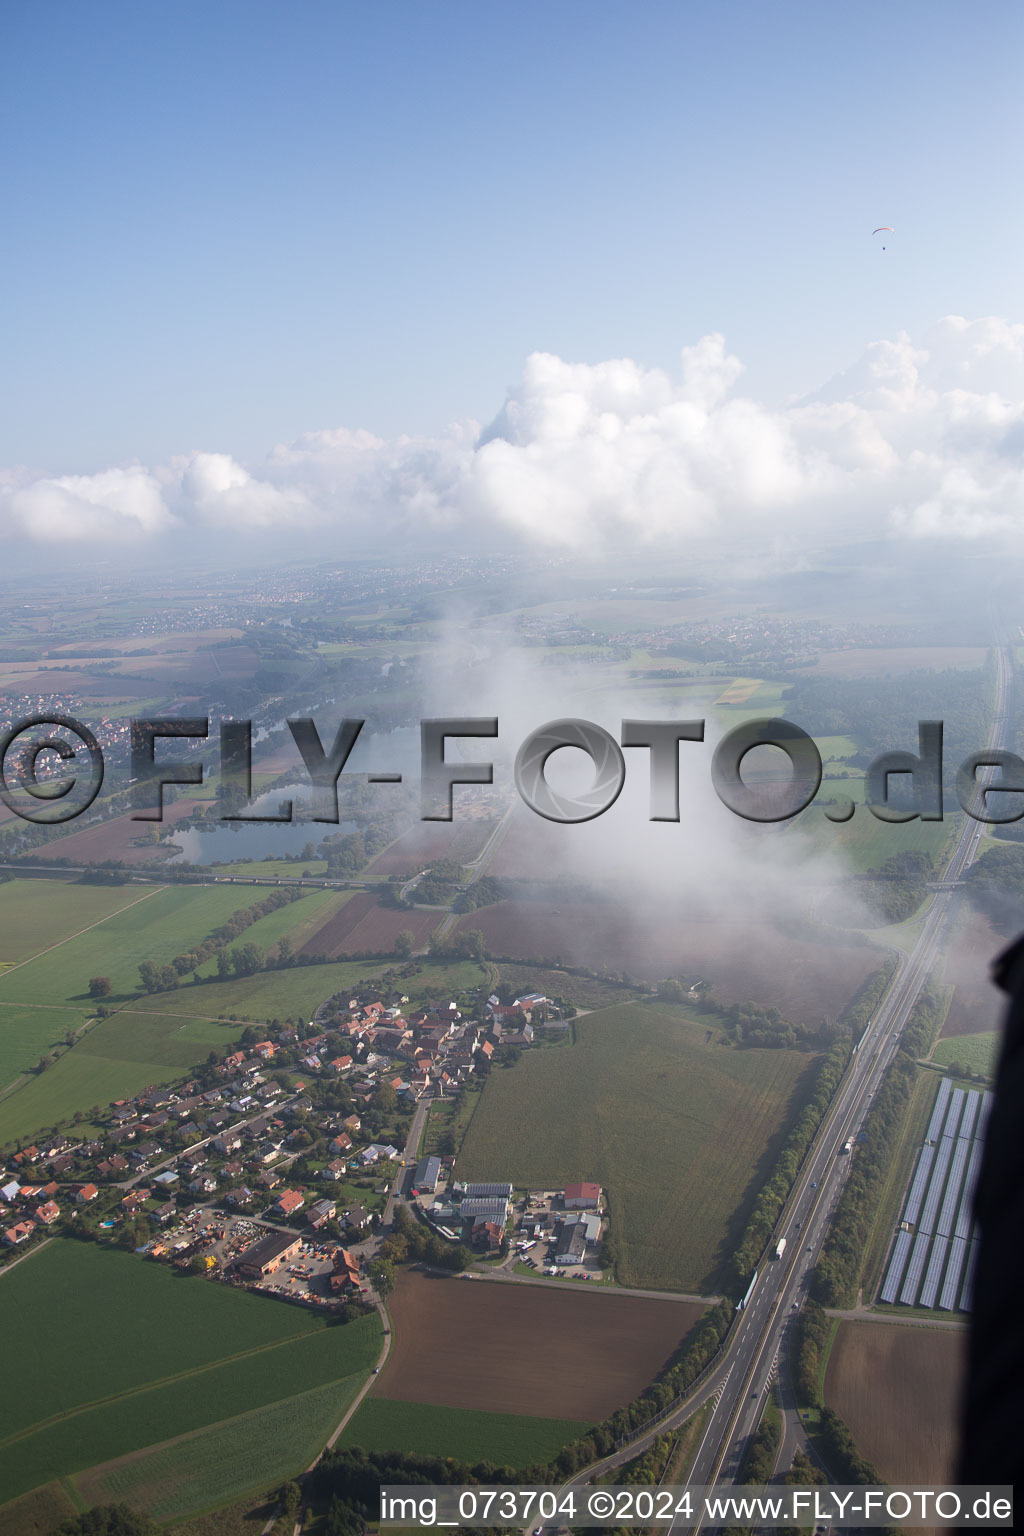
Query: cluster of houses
{"points": [[33, 1195], [199, 1141], [434, 1047]]}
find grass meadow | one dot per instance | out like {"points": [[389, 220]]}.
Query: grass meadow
{"points": [[978, 1052], [107, 1353], [162, 923], [37, 913], [506, 1439], [680, 1132]]}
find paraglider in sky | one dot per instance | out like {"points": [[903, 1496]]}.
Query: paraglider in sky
{"points": [[883, 229]]}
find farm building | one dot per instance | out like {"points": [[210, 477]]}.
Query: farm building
{"points": [[582, 1197], [485, 1210], [265, 1256]]}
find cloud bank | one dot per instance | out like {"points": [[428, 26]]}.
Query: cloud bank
{"points": [[918, 439]]}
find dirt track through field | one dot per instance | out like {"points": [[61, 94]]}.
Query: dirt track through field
{"points": [[526, 1349]]}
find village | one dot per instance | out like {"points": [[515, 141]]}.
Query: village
{"points": [[277, 1165]]}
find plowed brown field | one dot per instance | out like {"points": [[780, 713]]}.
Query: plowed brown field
{"points": [[363, 924], [898, 1389], [744, 961], [526, 1349]]}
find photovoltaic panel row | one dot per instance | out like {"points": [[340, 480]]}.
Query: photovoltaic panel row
{"points": [[933, 1274], [915, 1269], [951, 1199], [955, 1110], [954, 1269], [965, 1215], [970, 1115], [939, 1110], [967, 1294], [983, 1114], [936, 1184], [894, 1274], [925, 1159]]}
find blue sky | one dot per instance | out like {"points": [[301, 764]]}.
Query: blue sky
{"points": [[225, 225]]}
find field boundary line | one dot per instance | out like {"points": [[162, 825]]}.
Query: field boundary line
{"points": [[159, 1446], [87, 929], [149, 1386]]}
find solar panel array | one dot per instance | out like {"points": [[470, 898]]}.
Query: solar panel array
{"points": [[925, 1157], [939, 1111], [932, 1258]]}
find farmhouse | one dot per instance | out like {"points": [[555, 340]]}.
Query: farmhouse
{"points": [[582, 1197], [346, 1271], [267, 1255]]}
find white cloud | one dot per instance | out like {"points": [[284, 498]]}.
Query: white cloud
{"points": [[115, 504], [920, 438]]}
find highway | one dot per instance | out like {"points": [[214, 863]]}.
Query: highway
{"points": [[760, 1334], [744, 1373]]}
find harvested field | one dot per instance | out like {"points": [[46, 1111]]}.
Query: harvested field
{"points": [[898, 1390], [121, 838], [461, 839], [977, 1006], [803, 977], [532, 1348], [364, 923]]}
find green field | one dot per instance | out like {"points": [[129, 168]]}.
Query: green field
{"points": [[166, 921], [254, 1452], [26, 1034], [106, 1354], [681, 1133], [978, 1052], [864, 842], [37, 913], [117, 1057], [506, 1439]]}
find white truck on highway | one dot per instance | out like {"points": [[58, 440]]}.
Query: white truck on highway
{"points": [[780, 1247]]}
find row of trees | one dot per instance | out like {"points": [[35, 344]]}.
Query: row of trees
{"points": [[244, 962]]}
